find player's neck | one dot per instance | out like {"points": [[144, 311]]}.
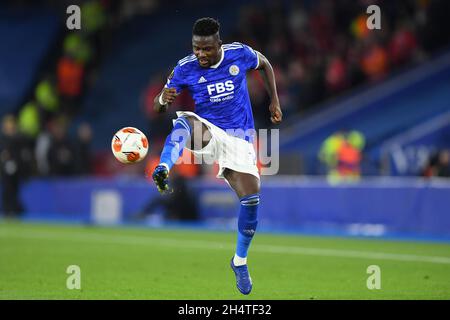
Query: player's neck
{"points": [[219, 58]]}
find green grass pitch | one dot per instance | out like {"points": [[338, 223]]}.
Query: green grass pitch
{"points": [[138, 263]]}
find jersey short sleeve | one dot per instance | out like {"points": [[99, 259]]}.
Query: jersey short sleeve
{"points": [[176, 79], [251, 58]]}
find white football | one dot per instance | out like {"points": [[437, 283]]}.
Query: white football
{"points": [[129, 145]]}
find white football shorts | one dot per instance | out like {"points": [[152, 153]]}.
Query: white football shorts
{"points": [[228, 151]]}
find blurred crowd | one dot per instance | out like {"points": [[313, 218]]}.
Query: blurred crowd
{"points": [[320, 49], [35, 141], [438, 165], [42, 123]]}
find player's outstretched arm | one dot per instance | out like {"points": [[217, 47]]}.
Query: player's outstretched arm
{"points": [[164, 99], [268, 75]]}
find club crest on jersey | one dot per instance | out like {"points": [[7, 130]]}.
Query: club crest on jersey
{"points": [[234, 70]]}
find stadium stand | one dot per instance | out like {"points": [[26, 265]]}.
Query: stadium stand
{"points": [[26, 36], [379, 112], [332, 74]]}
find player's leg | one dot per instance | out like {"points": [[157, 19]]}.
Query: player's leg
{"points": [[187, 130], [243, 184], [247, 188]]}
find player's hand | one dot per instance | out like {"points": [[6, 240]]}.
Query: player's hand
{"points": [[276, 116], [169, 95]]}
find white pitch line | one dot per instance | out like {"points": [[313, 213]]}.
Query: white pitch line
{"points": [[214, 245]]}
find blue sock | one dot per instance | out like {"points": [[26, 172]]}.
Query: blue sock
{"points": [[175, 142], [247, 222]]}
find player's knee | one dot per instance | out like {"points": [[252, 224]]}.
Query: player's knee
{"points": [[252, 186], [200, 133], [257, 186]]}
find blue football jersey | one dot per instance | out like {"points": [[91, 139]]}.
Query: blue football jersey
{"points": [[220, 91]]}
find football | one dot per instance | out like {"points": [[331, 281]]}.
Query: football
{"points": [[129, 145]]}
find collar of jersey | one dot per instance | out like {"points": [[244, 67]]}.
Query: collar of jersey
{"points": [[221, 59]]}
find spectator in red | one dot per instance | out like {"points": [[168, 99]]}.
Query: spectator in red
{"points": [[70, 74], [403, 44], [374, 61], [321, 25], [335, 75]]}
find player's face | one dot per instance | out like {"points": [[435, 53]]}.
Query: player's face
{"points": [[206, 49]]}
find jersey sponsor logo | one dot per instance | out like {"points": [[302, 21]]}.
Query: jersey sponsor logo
{"points": [[201, 80], [220, 87], [220, 91], [234, 70]]}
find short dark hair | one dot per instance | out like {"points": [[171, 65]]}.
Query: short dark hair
{"points": [[206, 27]]}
